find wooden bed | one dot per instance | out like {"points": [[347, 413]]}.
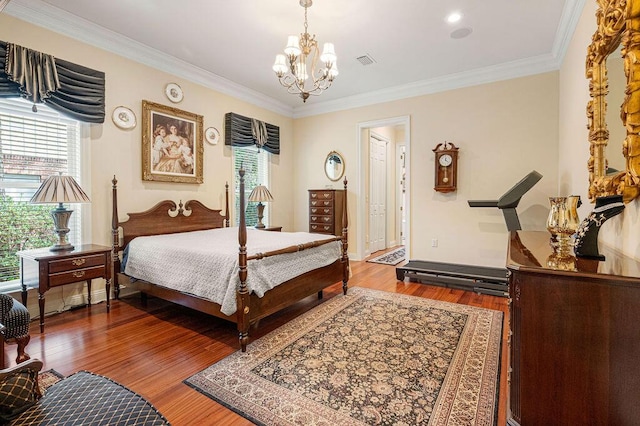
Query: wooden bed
{"points": [[167, 218]]}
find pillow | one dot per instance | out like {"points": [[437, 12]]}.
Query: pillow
{"points": [[18, 392]]}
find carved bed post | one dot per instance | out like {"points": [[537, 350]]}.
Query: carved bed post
{"points": [[345, 241], [115, 239], [242, 314], [226, 211]]}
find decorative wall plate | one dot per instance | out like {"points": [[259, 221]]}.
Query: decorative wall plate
{"points": [[212, 135], [173, 92], [124, 118]]}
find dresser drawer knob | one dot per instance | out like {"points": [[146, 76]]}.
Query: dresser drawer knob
{"points": [[326, 195], [326, 203], [78, 274], [78, 262]]}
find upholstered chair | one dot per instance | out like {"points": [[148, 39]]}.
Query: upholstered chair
{"points": [[14, 318]]}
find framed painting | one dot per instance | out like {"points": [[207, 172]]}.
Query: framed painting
{"points": [[172, 147]]}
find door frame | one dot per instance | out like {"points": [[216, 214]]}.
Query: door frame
{"points": [[362, 199]]}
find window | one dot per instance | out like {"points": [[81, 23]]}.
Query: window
{"points": [[33, 146], [256, 166]]}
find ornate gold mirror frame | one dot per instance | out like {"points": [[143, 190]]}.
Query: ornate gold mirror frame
{"points": [[618, 23]]}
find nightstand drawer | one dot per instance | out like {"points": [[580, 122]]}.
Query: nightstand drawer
{"points": [[75, 276], [76, 263]]}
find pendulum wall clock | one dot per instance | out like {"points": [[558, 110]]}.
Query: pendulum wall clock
{"points": [[446, 167]]}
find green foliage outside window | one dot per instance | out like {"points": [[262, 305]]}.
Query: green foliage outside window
{"points": [[24, 226], [254, 165]]}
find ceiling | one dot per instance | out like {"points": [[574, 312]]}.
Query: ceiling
{"points": [[231, 45]]}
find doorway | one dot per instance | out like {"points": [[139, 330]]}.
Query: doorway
{"points": [[397, 217]]}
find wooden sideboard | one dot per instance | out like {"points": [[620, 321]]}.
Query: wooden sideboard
{"points": [[575, 336], [325, 211]]}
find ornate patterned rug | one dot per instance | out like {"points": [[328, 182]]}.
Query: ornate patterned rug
{"points": [[391, 258], [369, 357], [48, 378]]}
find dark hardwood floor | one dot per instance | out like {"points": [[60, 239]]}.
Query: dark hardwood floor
{"points": [[152, 350]]}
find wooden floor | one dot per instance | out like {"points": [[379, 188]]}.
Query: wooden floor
{"points": [[152, 350]]}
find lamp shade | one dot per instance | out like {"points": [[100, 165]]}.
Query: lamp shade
{"points": [[260, 193], [60, 189]]}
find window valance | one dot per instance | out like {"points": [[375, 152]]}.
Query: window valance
{"points": [[69, 88], [244, 131]]}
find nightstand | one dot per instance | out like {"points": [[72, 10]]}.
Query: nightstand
{"points": [[271, 228], [43, 269]]}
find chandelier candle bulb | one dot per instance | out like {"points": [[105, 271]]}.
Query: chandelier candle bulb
{"points": [[280, 66], [293, 46], [328, 54]]}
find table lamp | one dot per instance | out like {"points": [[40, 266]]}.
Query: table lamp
{"points": [[60, 189], [259, 194]]}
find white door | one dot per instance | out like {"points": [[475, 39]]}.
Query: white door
{"points": [[377, 194], [401, 193]]}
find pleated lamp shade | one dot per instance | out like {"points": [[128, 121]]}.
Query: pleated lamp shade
{"points": [[60, 189], [260, 193]]}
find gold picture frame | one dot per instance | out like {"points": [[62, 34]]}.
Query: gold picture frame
{"points": [[172, 149]]}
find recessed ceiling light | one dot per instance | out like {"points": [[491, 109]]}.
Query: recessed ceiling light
{"points": [[461, 32], [454, 17]]}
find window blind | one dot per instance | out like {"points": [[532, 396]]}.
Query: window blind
{"points": [[33, 146], [256, 166]]}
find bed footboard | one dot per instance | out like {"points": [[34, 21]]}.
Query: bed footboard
{"points": [[251, 308]]}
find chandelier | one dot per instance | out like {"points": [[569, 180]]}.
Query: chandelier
{"points": [[301, 55]]}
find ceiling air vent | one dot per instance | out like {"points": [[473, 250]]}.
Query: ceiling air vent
{"points": [[366, 60]]}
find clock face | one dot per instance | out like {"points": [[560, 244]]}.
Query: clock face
{"points": [[445, 160]]}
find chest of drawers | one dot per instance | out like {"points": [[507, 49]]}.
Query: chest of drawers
{"points": [[325, 211]]}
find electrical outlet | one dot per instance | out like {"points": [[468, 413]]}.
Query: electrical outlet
{"points": [[434, 242]]}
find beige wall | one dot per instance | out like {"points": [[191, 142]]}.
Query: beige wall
{"points": [[118, 152], [504, 130], [619, 232]]}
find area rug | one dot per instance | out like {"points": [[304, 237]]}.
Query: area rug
{"points": [[391, 258], [369, 357], [48, 378]]}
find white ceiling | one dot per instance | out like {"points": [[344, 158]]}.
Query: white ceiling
{"points": [[230, 45]]}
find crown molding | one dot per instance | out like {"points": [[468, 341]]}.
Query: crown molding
{"points": [[3, 3], [57, 20], [44, 15], [568, 22], [505, 71]]}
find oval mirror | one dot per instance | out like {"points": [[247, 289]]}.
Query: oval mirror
{"points": [[334, 166]]}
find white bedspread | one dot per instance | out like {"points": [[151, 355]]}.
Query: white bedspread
{"points": [[205, 263]]}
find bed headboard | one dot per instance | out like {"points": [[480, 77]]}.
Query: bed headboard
{"points": [[166, 217]]}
